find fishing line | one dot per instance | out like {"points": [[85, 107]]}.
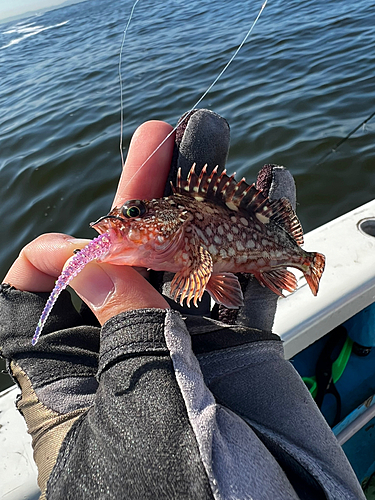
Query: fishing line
{"points": [[199, 100], [341, 141], [119, 74]]}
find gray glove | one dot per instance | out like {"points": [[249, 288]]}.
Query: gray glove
{"points": [[203, 137]]}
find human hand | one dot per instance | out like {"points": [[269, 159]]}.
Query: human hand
{"points": [[260, 302], [62, 373], [107, 289], [204, 138]]}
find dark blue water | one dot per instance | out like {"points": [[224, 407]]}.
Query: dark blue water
{"points": [[303, 81]]}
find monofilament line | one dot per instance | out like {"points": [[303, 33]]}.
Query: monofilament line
{"points": [[199, 100], [120, 78]]}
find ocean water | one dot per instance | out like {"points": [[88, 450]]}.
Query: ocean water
{"points": [[303, 81]]}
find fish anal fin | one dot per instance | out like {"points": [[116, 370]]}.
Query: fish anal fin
{"points": [[191, 283], [278, 280], [225, 289]]}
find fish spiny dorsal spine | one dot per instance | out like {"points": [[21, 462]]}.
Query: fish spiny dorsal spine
{"points": [[238, 191], [227, 188], [239, 195], [221, 187], [201, 177]]}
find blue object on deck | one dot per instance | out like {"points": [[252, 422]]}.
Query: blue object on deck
{"points": [[361, 327], [356, 434]]}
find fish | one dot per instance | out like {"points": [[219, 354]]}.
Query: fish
{"points": [[208, 229]]}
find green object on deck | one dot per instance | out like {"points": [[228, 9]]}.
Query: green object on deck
{"points": [[338, 367]]}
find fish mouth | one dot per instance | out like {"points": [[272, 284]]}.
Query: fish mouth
{"points": [[100, 227]]}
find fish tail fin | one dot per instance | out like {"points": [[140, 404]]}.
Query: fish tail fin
{"points": [[314, 270]]}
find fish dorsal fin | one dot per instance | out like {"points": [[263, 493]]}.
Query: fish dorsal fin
{"points": [[279, 212], [219, 187], [284, 215]]}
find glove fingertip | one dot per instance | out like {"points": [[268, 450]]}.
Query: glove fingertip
{"points": [[202, 137], [277, 182]]}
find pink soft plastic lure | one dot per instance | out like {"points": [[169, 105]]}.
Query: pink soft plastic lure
{"points": [[96, 249]]}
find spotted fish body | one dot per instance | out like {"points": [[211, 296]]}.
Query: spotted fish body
{"points": [[208, 229]]}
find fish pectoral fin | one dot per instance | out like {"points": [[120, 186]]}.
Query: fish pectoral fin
{"points": [[225, 289], [278, 280], [190, 283]]}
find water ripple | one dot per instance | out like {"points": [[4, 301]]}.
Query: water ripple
{"points": [[302, 82]]}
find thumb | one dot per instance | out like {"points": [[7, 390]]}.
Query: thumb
{"points": [[109, 290]]}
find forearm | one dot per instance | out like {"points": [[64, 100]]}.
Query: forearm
{"points": [[109, 423], [136, 440], [56, 377], [255, 381], [152, 429], [156, 429]]}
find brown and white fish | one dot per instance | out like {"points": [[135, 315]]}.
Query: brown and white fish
{"points": [[208, 229]]}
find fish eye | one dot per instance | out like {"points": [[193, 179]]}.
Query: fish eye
{"points": [[133, 208]]}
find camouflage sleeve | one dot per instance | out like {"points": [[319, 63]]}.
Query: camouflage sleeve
{"points": [[56, 377]]}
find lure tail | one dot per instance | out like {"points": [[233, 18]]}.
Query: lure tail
{"points": [[97, 248]]}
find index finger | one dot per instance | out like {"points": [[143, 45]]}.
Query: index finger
{"points": [[141, 179]]}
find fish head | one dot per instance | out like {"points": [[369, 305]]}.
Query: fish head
{"points": [[144, 233]]}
